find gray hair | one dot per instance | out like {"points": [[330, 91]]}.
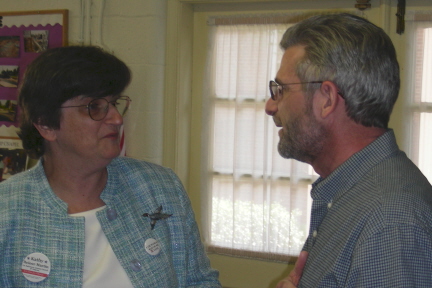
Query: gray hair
{"points": [[357, 56]]}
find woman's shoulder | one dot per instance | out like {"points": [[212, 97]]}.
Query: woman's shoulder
{"points": [[20, 179], [132, 170], [132, 165], [17, 190], [141, 176]]}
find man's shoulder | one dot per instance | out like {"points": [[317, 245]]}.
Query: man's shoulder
{"points": [[402, 191], [399, 174]]}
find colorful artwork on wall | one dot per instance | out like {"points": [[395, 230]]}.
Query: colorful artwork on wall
{"points": [[23, 36]]}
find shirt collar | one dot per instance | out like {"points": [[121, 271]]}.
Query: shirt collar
{"points": [[332, 187]]}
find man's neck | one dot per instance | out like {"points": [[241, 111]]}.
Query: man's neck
{"points": [[342, 145]]}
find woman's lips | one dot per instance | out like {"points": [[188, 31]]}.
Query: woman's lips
{"points": [[112, 135]]}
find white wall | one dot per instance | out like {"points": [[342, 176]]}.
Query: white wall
{"points": [[135, 32]]}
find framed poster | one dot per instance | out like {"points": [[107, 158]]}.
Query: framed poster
{"points": [[23, 36]]}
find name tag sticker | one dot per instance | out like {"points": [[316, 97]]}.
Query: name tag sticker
{"points": [[36, 267]]}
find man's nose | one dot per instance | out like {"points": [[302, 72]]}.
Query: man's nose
{"points": [[271, 107]]}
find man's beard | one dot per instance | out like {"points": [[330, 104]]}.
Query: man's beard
{"points": [[302, 139]]}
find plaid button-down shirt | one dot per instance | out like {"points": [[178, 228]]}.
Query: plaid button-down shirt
{"points": [[371, 222]]}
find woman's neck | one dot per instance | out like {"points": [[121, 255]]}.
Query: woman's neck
{"points": [[79, 186]]}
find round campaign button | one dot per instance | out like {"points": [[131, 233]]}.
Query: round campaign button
{"points": [[36, 267], [152, 246]]}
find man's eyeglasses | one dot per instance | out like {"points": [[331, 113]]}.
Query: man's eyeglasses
{"points": [[276, 89], [98, 108]]}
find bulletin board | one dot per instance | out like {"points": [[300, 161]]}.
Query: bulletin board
{"points": [[23, 36]]}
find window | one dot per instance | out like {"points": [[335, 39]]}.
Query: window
{"points": [[260, 201], [420, 89]]}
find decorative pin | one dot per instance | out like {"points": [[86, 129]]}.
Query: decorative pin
{"points": [[156, 215]]}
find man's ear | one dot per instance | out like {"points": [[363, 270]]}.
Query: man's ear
{"points": [[328, 99], [46, 132]]}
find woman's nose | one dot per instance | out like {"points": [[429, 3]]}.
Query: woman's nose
{"points": [[114, 115]]}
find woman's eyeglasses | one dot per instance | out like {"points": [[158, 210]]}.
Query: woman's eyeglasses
{"points": [[98, 108]]}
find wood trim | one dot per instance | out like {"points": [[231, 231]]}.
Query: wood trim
{"points": [[274, 257], [177, 94]]}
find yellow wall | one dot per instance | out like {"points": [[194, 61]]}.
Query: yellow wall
{"points": [[160, 40]]}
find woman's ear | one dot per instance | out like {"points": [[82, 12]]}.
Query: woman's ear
{"points": [[46, 132]]}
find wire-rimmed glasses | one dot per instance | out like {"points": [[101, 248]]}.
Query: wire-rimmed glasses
{"points": [[98, 108], [276, 89]]}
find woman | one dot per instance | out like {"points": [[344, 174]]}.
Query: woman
{"points": [[84, 217]]}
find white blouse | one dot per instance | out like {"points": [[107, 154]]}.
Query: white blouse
{"points": [[101, 266]]}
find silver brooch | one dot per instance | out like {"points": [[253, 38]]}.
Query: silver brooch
{"points": [[156, 215]]}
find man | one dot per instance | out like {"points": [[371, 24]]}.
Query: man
{"points": [[371, 222]]}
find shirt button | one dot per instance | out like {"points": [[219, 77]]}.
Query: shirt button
{"points": [[111, 214], [135, 265], [315, 233], [329, 205]]}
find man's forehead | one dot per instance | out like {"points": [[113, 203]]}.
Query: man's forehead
{"points": [[289, 62]]}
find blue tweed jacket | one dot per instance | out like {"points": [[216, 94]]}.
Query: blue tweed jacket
{"points": [[33, 219]]}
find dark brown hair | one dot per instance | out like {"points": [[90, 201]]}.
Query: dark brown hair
{"points": [[58, 75]]}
